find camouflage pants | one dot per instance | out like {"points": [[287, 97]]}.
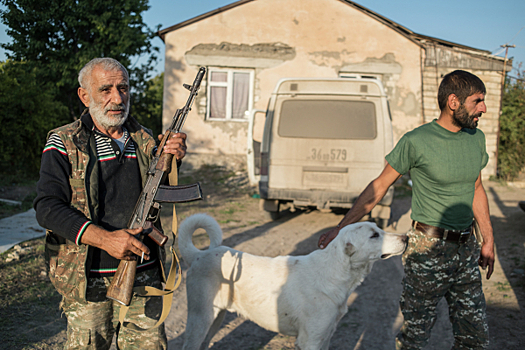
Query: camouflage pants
{"points": [[92, 325], [435, 269]]}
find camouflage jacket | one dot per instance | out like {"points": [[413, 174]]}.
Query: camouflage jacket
{"points": [[68, 262]]}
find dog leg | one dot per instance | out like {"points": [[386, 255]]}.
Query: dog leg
{"points": [[313, 345], [195, 334], [315, 338], [200, 320], [326, 343], [216, 325]]}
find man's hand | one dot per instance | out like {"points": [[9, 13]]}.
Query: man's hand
{"points": [[480, 207], [328, 237], [487, 258], [176, 145], [121, 244]]}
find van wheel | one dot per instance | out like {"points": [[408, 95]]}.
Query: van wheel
{"points": [[273, 215], [272, 207], [381, 223]]}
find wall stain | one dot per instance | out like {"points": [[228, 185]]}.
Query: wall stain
{"points": [[261, 50], [333, 59], [386, 68]]}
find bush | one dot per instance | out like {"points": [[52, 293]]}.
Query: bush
{"points": [[146, 104], [28, 110], [511, 151]]}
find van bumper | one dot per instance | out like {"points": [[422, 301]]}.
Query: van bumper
{"points": [[322, 199]]}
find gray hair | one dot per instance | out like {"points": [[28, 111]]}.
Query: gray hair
{"points": [[106, 63]]}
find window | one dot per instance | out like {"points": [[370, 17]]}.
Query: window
{"points": [[360, 75], [230, 94], [328, 119]]}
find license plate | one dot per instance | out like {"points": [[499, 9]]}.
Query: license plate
{"points": [[334, 154]]}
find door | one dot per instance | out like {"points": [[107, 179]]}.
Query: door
{"points": [[256, 122]]}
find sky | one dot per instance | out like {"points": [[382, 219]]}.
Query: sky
{"points": [[481, 24]]}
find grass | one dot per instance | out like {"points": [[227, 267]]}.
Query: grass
{"points": [[27, 299], [22, 190], [7, 210], [498, 180], [218, 185], [503, 287]]}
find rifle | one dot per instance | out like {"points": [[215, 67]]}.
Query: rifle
{"points": [[148, 205]]}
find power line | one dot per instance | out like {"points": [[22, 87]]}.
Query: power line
{"points": [[516, 35], [503, 47], [497, 53]]}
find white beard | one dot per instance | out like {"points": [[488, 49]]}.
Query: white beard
{"points": [[100, 114]]}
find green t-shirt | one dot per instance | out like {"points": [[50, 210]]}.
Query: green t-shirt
{"points": [[444, 167]]}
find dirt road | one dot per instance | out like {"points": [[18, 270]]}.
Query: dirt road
{"points": [[373, 318]]}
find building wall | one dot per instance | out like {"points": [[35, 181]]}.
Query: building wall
{"points": [[287, 38], [313, 38]]}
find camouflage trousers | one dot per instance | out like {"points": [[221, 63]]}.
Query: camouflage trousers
{"points": [[93, 324], [436, 269]]}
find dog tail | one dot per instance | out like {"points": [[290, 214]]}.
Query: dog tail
{"points": [[186, 229]]}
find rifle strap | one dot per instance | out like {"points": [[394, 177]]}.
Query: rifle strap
{"points": [[172, 282]]}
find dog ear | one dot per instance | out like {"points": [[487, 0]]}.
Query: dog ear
{"points": [[349, 249]]}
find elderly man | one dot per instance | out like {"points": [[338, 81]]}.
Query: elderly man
{"points": [[91, 176], [445, 158]]}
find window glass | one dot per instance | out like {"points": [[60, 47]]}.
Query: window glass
{"points": [[328, 119], [240, 96], [219, 76], [218, 102]]}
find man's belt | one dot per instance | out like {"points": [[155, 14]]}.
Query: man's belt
{"points": [[458, 236]]}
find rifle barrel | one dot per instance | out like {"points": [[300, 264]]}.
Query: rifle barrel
{"points": [[181, 118]]}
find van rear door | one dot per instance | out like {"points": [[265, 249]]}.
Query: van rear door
{"points": [[323, 141], [327, 139]]}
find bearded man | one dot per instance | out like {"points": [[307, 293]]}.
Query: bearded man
{"points": [[91, 176], [445, 158]]}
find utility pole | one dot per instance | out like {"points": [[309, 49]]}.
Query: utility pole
{"points": [[503, 74], [506, 47]]}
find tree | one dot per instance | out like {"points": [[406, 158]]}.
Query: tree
{"points": [[56, 38], [511, 151], [28, 111], [146, 105]]}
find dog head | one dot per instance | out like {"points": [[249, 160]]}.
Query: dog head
{"points": [[364, 241]]}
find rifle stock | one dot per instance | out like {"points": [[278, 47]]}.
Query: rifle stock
{"points": [[147, 207], [121, 287]]}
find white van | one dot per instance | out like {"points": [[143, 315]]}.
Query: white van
{"points": [[322, 142]]}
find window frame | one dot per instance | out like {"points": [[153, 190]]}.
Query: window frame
{"points": [[229, 92], [350, 75]]}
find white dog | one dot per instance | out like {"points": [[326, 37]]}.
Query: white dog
{"points": [[302, 296]]}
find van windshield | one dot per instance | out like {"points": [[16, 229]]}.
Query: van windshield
{"points": [[328, 119]]}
